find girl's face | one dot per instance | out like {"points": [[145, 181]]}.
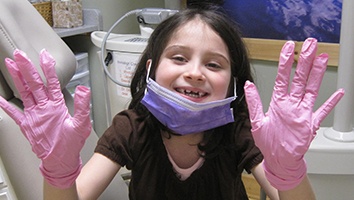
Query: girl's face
{"points": [[195, 63]]}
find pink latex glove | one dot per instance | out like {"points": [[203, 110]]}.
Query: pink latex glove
{"points": [[55, 136], [285, 132]]}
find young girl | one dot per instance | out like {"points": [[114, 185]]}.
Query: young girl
{"points": [[187, 132]]}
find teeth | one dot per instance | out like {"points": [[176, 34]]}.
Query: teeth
{"points": [[191, 93]]}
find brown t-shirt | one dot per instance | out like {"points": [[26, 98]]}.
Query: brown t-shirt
{"points": [[128, 143]]}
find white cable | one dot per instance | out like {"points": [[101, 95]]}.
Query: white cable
{"points": [[103, 48]]}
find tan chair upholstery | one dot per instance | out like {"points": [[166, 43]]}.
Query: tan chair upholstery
{"points": [[22, 27]]}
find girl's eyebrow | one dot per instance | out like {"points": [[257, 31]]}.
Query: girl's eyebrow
{"points": [[182, 47], [175, 46]]}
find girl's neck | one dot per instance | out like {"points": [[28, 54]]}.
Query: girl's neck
{"points": [[183, 149]]}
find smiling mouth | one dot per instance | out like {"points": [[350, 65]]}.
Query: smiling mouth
{"points": [[190, 93]]}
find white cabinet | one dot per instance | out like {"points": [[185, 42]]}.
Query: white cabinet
{"points": [[6, 192]]}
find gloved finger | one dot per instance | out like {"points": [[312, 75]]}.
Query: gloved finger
{"points": [[82, 108], [326, 108], [21, 85], [16, 114], [315, 79], [254, 104], [286, 60], [12, 111], [307, 55], [31, 76], [47, 63]]}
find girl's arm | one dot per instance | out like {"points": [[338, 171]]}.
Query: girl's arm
{"points": [[94, 178], [53, 193], [302, 191], [258, 173]]}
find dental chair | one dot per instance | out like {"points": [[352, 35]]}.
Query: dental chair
{"points": [[22, 27]]}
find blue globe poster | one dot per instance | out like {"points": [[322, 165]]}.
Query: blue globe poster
{"points": [[287, 19]]}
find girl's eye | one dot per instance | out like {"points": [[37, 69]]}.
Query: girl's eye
{"points": [[213, 65], [179, 59]]}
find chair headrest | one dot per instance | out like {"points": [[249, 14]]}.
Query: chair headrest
{"points": [[22, 27]]}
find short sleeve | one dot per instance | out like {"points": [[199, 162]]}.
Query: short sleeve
{"points": [[249, 152], [116, 141]]}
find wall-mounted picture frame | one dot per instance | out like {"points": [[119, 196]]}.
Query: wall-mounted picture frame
{"points": [[267, 24]]}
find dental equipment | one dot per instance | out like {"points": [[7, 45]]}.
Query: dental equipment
{"points": [[146, 16]]}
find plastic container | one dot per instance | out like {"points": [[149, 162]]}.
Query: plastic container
{"points": [[126, 50]]}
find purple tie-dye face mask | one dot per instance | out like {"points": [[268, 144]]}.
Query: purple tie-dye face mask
{"points": [[183, 116]]}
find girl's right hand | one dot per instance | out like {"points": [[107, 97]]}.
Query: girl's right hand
{"points": [[55, 136]]}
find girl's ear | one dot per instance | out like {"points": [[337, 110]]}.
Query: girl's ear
{"points": [[148, 64]]}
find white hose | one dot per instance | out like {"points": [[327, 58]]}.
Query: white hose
{"points": [[103, 48]]}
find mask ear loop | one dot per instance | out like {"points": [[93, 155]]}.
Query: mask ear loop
{"points": [[235, 93], [147, 76], [148, 72], [243, 95]]}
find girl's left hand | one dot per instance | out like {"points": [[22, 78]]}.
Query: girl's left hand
{"points": [[285, 132]]}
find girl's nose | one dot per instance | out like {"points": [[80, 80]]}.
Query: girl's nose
{"points": [[194, 72]]}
